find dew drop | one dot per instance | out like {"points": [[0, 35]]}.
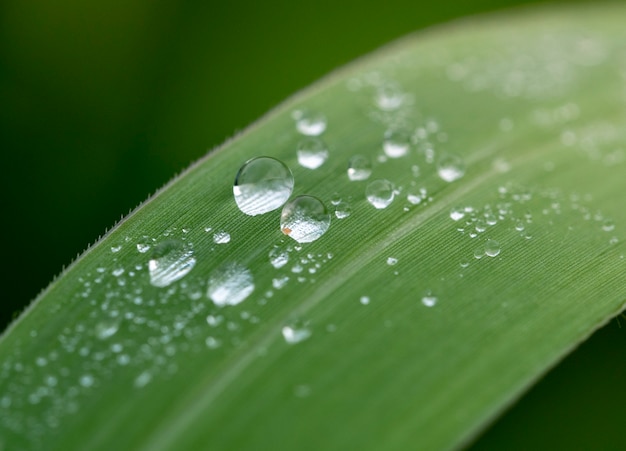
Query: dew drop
{"points": [[492, 248], [278, 257], [389, 97], [86, 380], [457, 213], [380, 193], [450, 167], [142, 248], [392, 261], [221, 237], [342, 210], [106, 329], [171, 261], [116, 249], [305, 219], [396, 143], [309, 123], [230, 284], [212, 343], [295, 334], [365, 300], [312, 153], [608, 225], [263, 184], [359, 168], [429, 300], [143, 379]]}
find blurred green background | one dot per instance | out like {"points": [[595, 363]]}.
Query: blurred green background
{"points": [[102, 102]]}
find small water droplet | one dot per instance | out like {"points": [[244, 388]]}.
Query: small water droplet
{"points": [[608, 225], [389, 96], [479, 253], [457, 213], [450, 167], [107, 328], [230, 284], [342, 210], [365, 300], [312, 153], [86, 380], [221, 237], [416, 195], [212, 343], [305, 219], [143, 379], [142, 248], [214, 321], [278, 257], [492, 248], [309, 123], [295, 333], [380, 193], [280, 282], [171, 260], [392, 261], [359, 168], [116, 249], [117, 272], [396, 143], [263, 184], [429, 300]]}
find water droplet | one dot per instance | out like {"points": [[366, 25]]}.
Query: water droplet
{"points": [[212, 343], [380, 193], [492, 248], [230, 284], [302, 391], [365, 300], [86, 380], [305, 219], [108, 328], [429, 300], [479, 253], [416, 195], [389, 97], [214, 321], [342, 210], [143, 248], [278, 257], [309, 123], [396, 143], [457, 213], [608, 225], [262, 184], [359, 168], [116, 249], [280, 282], [312, 153], [450, 167], [221, 237], [392, 261], [171, 260], [143, 379], [295, 334]]}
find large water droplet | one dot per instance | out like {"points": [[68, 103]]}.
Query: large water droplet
{"points": [[312, 153], [359, 168], [396, 143], [262, 184], [230, 284], [309, 123], [380, 193], [305, 219], [171, 260], [450, 167]]}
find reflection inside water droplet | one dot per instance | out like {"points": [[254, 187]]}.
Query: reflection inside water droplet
{"points": [[262, 184]]}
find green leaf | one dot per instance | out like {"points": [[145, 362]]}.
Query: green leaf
{"points": [[534, 107]]}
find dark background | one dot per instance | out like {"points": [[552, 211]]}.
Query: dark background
{"points": [[103, 101]]}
